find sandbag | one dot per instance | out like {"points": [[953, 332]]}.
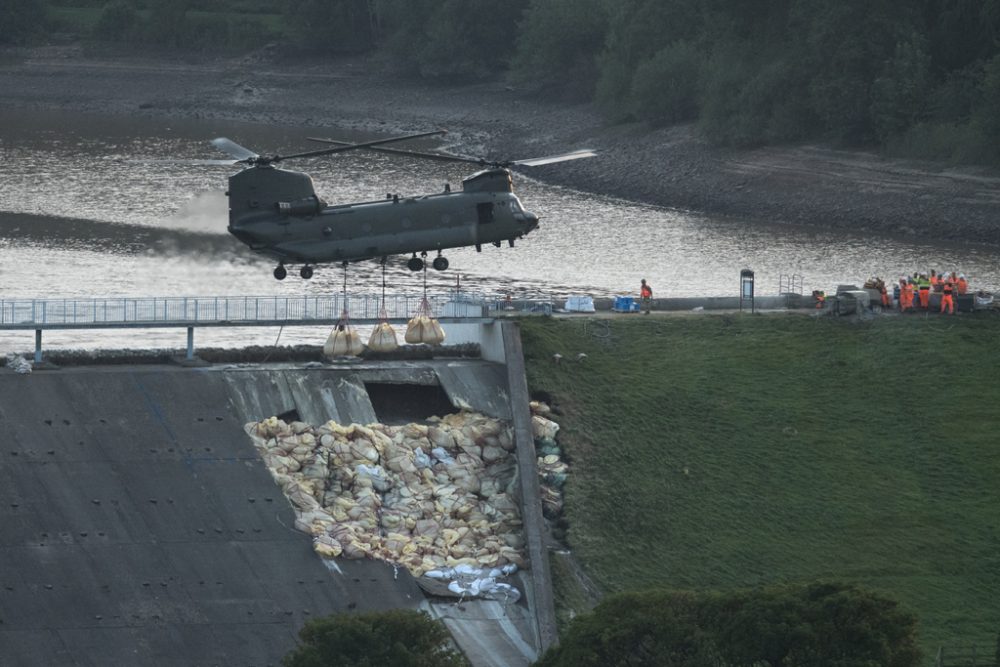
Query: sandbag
{"points": [[383, 338], [343, 342], [424, 329], [414, 330], [433, 333]]}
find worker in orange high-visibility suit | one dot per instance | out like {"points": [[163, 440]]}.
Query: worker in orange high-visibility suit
{"points": [[924, 291], [947, 299], [905, 295], [886, 301], [963, 284], [646, 294]]}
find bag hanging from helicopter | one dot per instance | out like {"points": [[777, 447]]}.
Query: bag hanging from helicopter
{"points": [[423, 327], [383, 338], [343, 341]]}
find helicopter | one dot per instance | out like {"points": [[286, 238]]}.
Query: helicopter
{"points": [[277, 213]]}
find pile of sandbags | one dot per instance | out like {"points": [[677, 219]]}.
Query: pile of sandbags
{"points": [[552, 470], [343, 341], [422, 496]]}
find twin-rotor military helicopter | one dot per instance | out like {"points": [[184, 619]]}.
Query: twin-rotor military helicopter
{"points": [[277, 213]]}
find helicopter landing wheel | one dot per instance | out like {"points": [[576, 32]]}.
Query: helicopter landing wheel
{"points": [[415, 264], [280, 272], [440, 263], [306, 272]]}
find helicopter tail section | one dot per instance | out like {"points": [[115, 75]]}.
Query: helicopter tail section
{"points": [[260, 192]]}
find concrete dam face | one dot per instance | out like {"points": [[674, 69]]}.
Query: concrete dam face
{"points": [[138, 525]]}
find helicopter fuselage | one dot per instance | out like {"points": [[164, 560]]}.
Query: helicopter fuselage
{"points": [[277, 213]]}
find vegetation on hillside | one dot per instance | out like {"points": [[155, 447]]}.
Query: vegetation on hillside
{"points": [[916, 78], [717, 452], [787, 626], [402, 637]]}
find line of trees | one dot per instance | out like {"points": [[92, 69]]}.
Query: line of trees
{"points": [[787, 626], [816, 625], [918, 77]]}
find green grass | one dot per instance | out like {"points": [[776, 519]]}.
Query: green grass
{"points": [[721, 451]]}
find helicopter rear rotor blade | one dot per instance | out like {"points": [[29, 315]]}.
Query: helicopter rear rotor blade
{"points": [[232, 148], [351, 147], [552, 159]]}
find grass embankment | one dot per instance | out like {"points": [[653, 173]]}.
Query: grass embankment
{"points": [[721, 451]]}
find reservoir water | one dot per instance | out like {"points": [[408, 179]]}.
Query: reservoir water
{"points": [[108, 217]]}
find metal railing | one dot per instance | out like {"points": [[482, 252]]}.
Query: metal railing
{"points": [[966, 656], [790, 283], [225, 310]]}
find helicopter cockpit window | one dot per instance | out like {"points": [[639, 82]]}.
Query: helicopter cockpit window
{"points": [[485, 211]]}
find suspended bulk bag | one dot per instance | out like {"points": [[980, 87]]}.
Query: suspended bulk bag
{"points": [[432, 332], [414, 329], [383, 338], [343, 342]]}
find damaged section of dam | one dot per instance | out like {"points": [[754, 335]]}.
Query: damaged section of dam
{"points": [[138, 526]]}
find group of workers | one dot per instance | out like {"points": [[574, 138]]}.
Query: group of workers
{"points": [[915, 291]]}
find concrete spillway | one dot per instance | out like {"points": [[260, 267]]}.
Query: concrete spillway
{"points": [[138, 525]]}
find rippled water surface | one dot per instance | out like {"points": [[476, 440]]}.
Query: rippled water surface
{"points": [[141, 227]]}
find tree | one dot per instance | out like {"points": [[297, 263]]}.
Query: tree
{"points": [[985, 115], [665, 87], [168, 23], [400, 637], [639, 628], [454, 38], [22, 20], [787, 626], [118, 22], [332, 25], [899, 94]]}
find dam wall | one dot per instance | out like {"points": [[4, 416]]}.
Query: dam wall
{"points": [[139, 526]]}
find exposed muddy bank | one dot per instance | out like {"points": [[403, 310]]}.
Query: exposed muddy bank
{"points": [[671, 167]]}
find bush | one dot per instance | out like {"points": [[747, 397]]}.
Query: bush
{"points": [[332, 25], [470, 39], [794, 626], [899, 94], [402, 638], [22, 20], [986, 115], [665, 88], [557, 45], [119, 22]]}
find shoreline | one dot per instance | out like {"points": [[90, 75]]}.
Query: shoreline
{"points": [[799, 185]]}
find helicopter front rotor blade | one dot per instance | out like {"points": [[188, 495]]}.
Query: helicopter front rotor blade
{"points": [[552, 159], [232, 148], [402, 151], [351, 147], [227, 163]]}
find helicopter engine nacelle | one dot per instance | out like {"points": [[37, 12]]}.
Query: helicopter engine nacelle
{"points": [[262, 191], [308, 206]]}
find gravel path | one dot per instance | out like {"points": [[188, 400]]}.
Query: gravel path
{"points": [[671, 167]]}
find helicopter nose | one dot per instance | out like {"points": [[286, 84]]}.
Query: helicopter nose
{"points": [[529, 220]]}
